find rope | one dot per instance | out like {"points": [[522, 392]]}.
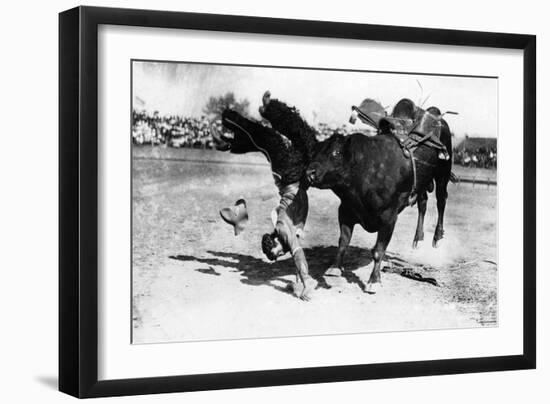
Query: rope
{"points": [[409, 273], [468, 263]]}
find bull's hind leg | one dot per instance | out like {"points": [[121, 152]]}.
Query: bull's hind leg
{"points": [[346, 231], [378, 252], [422, 202], [441, 195]]}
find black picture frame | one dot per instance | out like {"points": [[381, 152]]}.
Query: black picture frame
{"points": [[78, 201]]}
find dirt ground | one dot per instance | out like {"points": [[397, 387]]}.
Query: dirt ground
{"points": [[194, 280]]}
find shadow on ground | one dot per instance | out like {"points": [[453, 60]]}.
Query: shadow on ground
{"points": [[48, 381], [259, 272]]}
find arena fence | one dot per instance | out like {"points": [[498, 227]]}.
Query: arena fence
{"points": [[476, 180]]}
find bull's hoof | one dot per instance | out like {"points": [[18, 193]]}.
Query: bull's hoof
{"points": [[334, 271], [438, 236], [416, 244], [372, 288]]}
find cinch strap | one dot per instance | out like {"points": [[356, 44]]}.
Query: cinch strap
{"points": [[414, 171]]}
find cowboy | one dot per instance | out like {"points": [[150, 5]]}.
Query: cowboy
{"points": [[289, 217]]}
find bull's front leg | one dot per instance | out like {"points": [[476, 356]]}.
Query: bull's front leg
{"points": [[346, 230], [383, 239]]}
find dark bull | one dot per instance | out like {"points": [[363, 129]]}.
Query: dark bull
{"points": [[373, 180]]}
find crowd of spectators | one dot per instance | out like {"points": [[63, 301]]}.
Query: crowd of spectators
{"points": [[481, 158], [324, 131], [177, 131], [172, 130]]}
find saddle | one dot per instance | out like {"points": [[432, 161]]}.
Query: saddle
{"points": [[422, 128]]}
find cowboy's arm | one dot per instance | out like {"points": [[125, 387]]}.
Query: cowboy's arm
{"points": [[301, 264], [291, 242]]}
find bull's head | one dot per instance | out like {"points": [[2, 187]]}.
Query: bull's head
{"points": [[327, 168]]}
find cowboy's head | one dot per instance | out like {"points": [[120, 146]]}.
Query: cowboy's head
{"points": [[272, 246]]}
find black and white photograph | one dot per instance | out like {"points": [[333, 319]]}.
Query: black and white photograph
{"points": [[285, 201], [275, 202]]}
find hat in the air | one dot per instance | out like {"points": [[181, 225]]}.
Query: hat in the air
{"points": [[236, 216]]}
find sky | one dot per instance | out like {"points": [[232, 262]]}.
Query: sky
{"points": [[320, 95]]}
